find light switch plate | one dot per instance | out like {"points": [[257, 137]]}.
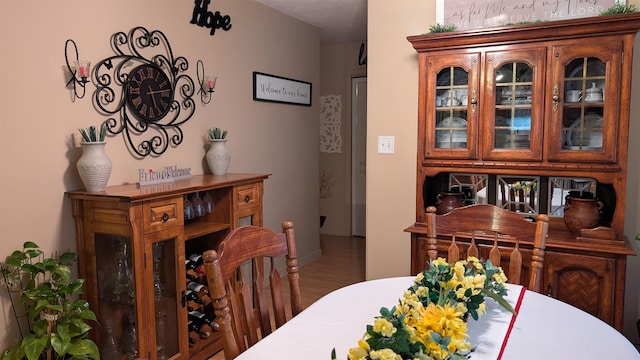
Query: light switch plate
{"points": [[386, 144]]}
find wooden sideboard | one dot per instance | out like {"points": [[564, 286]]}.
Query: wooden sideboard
{"points": [[521, 116], [134, 246]]}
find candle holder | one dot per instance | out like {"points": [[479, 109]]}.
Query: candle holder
{"points": [[207, 86], [79, 69]]}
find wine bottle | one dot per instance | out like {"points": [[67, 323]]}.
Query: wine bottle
{"points": [[192, 295], [192, 341], [199, 288], [197, 328], [196, 258], [190, 265], [190, 277], [200, 318]]}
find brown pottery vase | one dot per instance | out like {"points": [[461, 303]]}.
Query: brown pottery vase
{"points": [[447, 201], [582, 213]]}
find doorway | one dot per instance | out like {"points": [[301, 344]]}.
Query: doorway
{"points": [[358, 155]]}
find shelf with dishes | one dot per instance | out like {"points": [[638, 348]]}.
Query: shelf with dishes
{"points": [[583, 133], [451, 132]]}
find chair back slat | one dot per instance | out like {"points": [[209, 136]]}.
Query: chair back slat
{"points": [[247, 312], [241, 302], [494, 254], [276, 298], [473, 248], [260, 296], [454, 251], [515, 262]]}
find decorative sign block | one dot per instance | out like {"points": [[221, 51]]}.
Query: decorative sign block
{"points": [[213, 20], [168, 174], [487, 13]]}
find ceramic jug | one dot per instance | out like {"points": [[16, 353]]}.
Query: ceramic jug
{"points": [[581, 212], [447, 201]]}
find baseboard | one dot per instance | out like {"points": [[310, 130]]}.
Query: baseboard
{"points": [[282, 269], [309, 258]]}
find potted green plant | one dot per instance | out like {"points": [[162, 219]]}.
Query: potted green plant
{"points": [[441, 28], [57, 317], [216, 133], [619, 8], [90, 135], [94, 166], [218, 156]]}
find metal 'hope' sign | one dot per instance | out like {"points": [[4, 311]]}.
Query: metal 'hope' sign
{"points": [[488, 13]]}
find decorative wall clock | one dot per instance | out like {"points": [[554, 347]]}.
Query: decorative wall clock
{"points": [[145, 92]]}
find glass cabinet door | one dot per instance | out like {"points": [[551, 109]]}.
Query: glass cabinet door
{"points": [[167, 315], [583, 111], [512, 126], [452, 109], [116, 297]]}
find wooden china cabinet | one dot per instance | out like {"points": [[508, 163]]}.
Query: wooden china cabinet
{"points": [[522, 117], [138, 248]]}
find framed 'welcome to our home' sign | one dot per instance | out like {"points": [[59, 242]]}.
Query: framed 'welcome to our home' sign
{"points": [[280, 89], [467, 14]]}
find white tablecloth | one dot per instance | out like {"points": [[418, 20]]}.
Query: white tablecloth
{"points": [[544, 328]]}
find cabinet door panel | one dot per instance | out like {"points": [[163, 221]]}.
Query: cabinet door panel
{"points": [[583, 281], [513, 104], [451, 111], [583, 107], [165, 312]]}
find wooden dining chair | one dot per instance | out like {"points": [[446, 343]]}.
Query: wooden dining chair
{"points": [[248, 307], [490, 232]]}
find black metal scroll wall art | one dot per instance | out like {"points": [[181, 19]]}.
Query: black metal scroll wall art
{"points": [[145, 91]]}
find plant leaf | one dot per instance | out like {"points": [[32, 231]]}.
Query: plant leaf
{"points": [[33, 346], [499, 299]]}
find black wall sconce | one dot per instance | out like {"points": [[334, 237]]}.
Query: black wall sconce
{"points": [[79, 69], [207, 83]]}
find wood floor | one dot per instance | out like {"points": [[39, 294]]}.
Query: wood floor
{"points": [[342, 263]]}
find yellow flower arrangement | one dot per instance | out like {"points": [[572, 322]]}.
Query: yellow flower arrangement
{"points": [[430, 320]]}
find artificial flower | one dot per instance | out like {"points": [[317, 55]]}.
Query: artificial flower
{"points": [[430, 320]]}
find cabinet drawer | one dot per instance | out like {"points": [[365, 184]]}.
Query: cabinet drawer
{"points": [[162, 214], [247, 196]]}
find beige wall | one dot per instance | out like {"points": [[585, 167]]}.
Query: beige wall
{"points": [[392, 110], [38, 116], [338, 64]]}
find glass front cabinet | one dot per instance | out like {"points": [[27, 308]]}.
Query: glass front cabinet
{"points": [[139, 250], [529, 117]]}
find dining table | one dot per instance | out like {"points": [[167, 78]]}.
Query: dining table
{"points": [[541, 328]]}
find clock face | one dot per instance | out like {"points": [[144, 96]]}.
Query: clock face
{"points": [[149, 93]]}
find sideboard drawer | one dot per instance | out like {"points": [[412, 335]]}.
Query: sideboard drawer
{"points": [[162, 214], [247, 196]]}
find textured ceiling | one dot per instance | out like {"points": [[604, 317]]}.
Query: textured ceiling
{"points": [[339, 21]]}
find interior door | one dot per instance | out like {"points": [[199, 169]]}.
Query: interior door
{"points": [[358, 155]]}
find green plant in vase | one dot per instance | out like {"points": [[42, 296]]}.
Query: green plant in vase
{"points": [[91, 135], [57, 317], [218, 156], [216, 133]]}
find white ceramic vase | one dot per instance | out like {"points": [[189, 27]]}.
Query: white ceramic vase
{"points": [[218, 157], [94, 166]]}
